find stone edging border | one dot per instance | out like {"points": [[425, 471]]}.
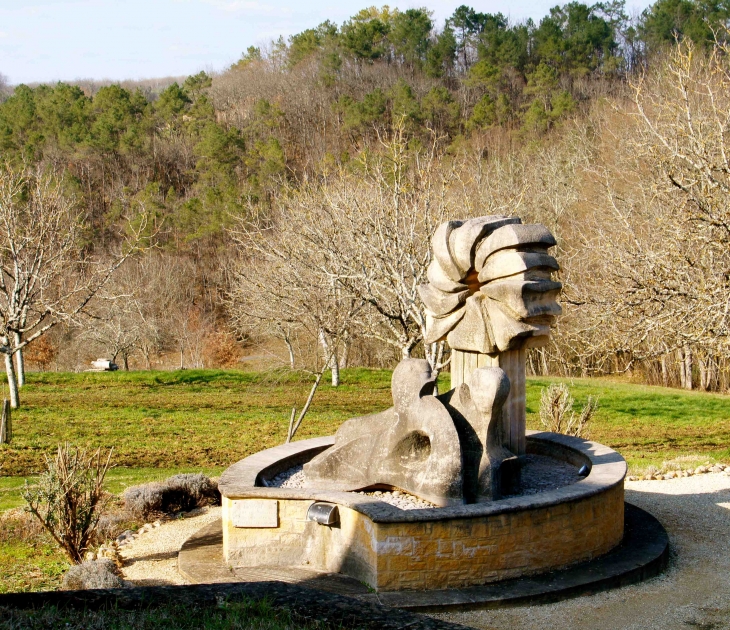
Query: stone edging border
{"points": [[679, 474], [335, 611], [608, 469]]}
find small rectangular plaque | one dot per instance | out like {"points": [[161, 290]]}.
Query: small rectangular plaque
{"points": [[255, 513]]}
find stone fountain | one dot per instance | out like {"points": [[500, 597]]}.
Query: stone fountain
{"points": [[470, 508]]}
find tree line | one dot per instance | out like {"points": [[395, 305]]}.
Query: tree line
{"points": [[283, 175]]}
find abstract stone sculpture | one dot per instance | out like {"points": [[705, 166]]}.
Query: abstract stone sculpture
{"points": [[490, 288], [446, 449], [490, 469], [490, 295]]}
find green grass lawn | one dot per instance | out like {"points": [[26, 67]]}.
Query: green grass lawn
{"points": [[176, 420], [37, 566], [160, 423], [649, 425]]}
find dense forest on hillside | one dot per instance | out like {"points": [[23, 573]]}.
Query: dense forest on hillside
{"points": [[256, 195]]}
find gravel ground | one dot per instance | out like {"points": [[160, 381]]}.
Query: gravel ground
{"points": [[151, 558], [693, 593], [539, 474]]}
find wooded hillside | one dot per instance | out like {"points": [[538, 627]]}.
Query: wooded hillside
{"points": [[291, 197]]}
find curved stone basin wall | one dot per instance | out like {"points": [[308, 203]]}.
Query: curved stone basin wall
{"points": [[392, 549]]}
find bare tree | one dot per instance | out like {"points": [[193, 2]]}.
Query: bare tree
{"points": [[117, 327], [47, 276], [658, 250], [278, 285], [369, 229], [641, 215]]}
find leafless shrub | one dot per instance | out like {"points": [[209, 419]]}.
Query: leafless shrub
{"points": [[17, 525], [221, 350], [556, 411], [187, 491], [111, 525], [41, 353], [69, 498]]}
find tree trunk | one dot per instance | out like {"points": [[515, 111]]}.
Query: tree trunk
{"points": [[344, 358], [707, 373], [290, 348], [12, 382], [687, 367], [545, 369], [126, 363], [665, 371], [20, 360], [335, 367], [435, 356], [330, 358], [702, 374], [293, 427], [680, 356]]}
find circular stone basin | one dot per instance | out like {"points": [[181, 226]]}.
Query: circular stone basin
{"points": [[432, 548]]}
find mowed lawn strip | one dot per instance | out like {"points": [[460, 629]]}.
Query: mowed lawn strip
{"points": [[196, 419]]}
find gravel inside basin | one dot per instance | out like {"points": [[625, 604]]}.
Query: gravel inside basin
{"points": [[539, 474]]}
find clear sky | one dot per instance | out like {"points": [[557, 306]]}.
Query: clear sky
{"points": [[51, 40]]}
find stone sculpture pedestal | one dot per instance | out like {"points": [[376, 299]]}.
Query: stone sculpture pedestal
{"points": [[452, 547], [513, 362]]}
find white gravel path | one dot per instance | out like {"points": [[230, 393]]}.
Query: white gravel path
{"points": [[693, 593], [151, 559]]}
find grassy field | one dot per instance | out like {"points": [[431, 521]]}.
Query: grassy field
{"points": [[649, 426], [160, 423], [203, 420], [30, 560]]}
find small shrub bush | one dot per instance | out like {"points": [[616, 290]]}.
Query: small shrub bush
{"points": [[556, 411], [69, 498], [144, 500], [179, 493], [92, 574], [187, 491]]}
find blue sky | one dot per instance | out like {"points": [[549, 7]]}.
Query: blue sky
{"points": [[51, 40]]}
